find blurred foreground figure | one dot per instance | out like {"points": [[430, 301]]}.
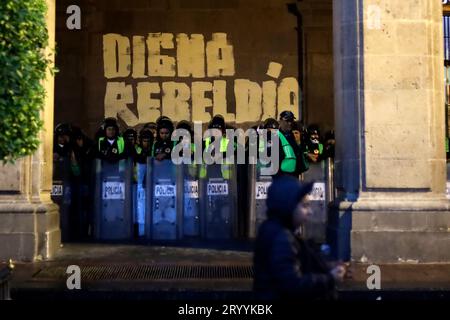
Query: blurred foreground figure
{"points": [[285, 265]]}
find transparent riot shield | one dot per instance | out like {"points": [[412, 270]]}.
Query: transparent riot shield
{"points": [[191, 205], [61, 194], [139, 196], [316, 228], [218, 202], [258, 187], [113, 200], [163, 221]]}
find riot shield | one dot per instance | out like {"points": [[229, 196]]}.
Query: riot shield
{"points": [[316, 227], [61, 194], [258, 187], [218, 209], [163, 221], [113, 201], [191, 205], [139, 196]]}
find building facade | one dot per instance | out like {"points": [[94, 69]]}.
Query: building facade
{"points": [[369, 69]]}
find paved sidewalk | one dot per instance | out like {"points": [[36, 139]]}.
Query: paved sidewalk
{"points": [[221, 271]]}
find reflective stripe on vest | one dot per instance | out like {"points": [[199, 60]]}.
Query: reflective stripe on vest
{"points": [[223, 144], [290, 160]]}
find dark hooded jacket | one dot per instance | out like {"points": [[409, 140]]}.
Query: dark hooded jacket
{"points": [[285, 265]]}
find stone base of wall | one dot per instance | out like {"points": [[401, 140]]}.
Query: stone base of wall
{"points": [[391, 231], [29, 231]]}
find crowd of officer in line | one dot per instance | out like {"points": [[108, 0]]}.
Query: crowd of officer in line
{"points": [[286, 266], [154, 140], [298, 148]]}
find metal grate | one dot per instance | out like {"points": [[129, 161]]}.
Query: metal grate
{"points": [[146, 272]]}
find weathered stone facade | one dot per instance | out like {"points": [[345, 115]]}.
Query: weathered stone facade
{"points": [[389, 113]]}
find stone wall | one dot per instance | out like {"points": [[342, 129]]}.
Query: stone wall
{"points": [[260, 32]]}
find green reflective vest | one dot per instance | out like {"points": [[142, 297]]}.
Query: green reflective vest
{"points": [[290, 160], [223, 144], [120, 144], [226, 167]]}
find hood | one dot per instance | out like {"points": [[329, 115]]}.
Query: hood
{"points": [[283, 196]]}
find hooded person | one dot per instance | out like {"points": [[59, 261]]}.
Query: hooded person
{"points": [[162, 148], [285, 265], [111, 146]]}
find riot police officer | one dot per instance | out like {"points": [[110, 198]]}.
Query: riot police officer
{"points": [[162, 148], [289, 150], [152, 127], [111, 146], [61, 146], [130, 136], [143, 149], [313, 145]]}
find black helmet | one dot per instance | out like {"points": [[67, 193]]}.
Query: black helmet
{"points": [[63, 129], [145, 133], [271, 123], [287, 115], [217, 122], [150, 125], [130, 133], [165, 123], [77, 133], [110, 122], [296, 126], [184, 124], [162, 118], [313, 129]]}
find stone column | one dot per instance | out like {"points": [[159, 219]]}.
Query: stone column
{"points": [[390, 129], [29, 221]]}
